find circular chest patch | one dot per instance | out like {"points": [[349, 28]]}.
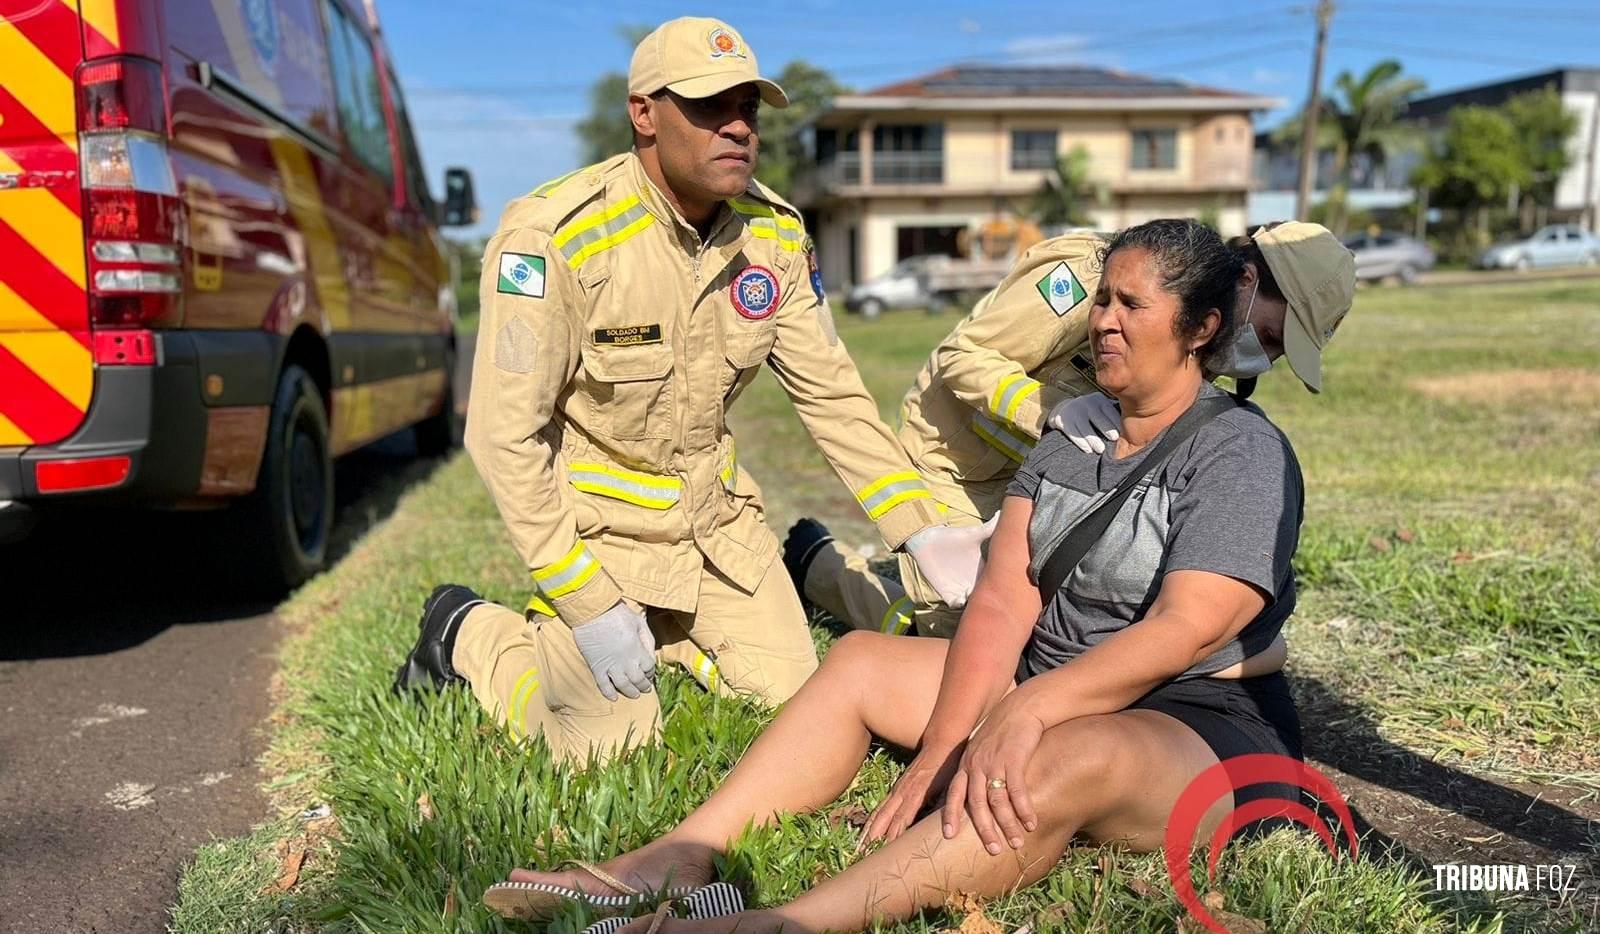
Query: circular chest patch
{"points": [[755, 292]]}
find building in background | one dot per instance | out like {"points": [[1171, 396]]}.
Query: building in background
{"points": [[907, 169], [1387, 187]]}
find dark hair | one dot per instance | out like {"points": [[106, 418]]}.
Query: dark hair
{"points": [[1197, 267], [1251, 253]]}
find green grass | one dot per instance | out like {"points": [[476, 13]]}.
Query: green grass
{"points": [[1449, 595]]}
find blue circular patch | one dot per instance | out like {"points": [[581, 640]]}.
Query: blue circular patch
{"points": [[754, 292]]}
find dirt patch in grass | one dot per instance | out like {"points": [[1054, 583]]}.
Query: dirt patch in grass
{"points": [[1484, 387]]}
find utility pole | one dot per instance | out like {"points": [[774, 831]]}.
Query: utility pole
{"points": [[1308, 122]]}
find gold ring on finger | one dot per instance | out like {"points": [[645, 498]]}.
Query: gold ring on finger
{"points": [[997, 783]]}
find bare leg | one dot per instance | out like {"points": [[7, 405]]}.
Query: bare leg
{"points": [[1115, 778], [869, 685]]}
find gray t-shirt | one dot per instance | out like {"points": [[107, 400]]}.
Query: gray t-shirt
{"points": [[1229, 501]]}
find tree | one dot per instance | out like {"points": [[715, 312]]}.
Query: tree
{"points": [[1542, 125], [1479, 163], [1362, 120], [783, 158], [608, 130], [1067, 192]]}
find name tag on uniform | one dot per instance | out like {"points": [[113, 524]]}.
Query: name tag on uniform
{"points": [[636, 334]]}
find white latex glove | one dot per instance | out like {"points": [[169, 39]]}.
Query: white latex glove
{"points": [[620, 651], [949, 558], [1084, 419]]}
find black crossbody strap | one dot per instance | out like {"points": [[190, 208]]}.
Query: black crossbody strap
{"points": [[1086, 531]]}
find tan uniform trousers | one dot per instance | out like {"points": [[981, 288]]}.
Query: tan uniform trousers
{"points": [[529, 673], [843, 582]]}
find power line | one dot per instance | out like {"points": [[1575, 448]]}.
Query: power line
{"points": [[1450, 54], [1516, 12], [1220, 27]]}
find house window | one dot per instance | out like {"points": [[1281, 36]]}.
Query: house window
{"points": [[1155, 149], [1033, 149], [908, 153]]}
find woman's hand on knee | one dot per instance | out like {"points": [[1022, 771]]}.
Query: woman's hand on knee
{"points": [[991, 784], [927, 775]]}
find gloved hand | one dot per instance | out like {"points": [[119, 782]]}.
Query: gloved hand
{"points": [[949, 558], [1084, 419], [620, 651]]}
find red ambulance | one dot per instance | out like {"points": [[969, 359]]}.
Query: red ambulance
{"points": [[220, 264]]}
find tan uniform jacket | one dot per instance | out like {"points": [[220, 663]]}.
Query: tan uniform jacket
{"points": [[979, 403], [612, 344]]}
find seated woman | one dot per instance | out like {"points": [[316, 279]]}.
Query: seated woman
{"points": [[1085, 712]]}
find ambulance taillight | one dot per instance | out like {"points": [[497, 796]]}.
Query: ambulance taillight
{"points": [[130, 195]]}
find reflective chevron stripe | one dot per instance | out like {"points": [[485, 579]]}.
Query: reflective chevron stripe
{"points": [[641, 489], [897, 619], [768, 224], [567, 575], [706, 671], [521, 696], [1008, 396], [1008, 440], [730, 468], [885, 493], [599, 232]]}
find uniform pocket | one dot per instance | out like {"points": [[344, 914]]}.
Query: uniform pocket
{"points": [[632, 389], [745, 348]]}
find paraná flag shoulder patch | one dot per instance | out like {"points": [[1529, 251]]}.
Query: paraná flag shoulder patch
{"points": [[521, 274], [1061, 289]]}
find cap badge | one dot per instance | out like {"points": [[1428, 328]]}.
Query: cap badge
{"points": [[724, 43]]}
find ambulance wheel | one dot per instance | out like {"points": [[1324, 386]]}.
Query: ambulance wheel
{"points": [[289, 517], [438, 434], [871, 309]]}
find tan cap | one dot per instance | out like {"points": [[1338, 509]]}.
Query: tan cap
{"points": [[697, 57], [1317, 274]]}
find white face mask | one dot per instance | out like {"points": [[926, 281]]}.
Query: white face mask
{"points": [[1245, 358]]}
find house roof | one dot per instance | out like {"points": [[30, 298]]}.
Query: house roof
{"points": [[1033, 87]]}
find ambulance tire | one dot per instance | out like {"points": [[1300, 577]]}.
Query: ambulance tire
{"points": [[437, 435], [288, 520]]}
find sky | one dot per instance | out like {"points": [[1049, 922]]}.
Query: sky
{"points": [[496, 86]]}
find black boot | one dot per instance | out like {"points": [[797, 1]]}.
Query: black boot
{"points": [[428, 665], [805, 539]]}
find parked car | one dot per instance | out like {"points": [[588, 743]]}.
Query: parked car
{"points": [[219, 262], [932, 281], [1385, 255], [1555, 245]]}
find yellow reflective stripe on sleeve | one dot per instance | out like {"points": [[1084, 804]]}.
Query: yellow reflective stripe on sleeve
{"points": [[1008, 440], [538, 604], [521, 696], [706, 671], [897, 619], [630, 486], [1009, 394], [567, 575], [885, 493]]}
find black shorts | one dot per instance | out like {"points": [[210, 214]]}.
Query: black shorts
{"points": [[1236, 717]]}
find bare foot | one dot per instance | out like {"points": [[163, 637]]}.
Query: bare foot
{"points": [[655, 866]]}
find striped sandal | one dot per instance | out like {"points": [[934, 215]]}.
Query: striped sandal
{"points": [[716, 900], [541, 901]]}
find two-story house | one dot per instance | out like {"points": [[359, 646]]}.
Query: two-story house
{"points": [[904, 169]]}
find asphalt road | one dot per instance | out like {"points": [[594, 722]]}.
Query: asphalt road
{"points": [[133, 697]]}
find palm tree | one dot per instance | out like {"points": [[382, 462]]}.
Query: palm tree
{"points": [[1068, 191], [1362, 120]]}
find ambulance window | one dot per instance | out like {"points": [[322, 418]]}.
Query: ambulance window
{"points": [[416, 179], [355, 81]]}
